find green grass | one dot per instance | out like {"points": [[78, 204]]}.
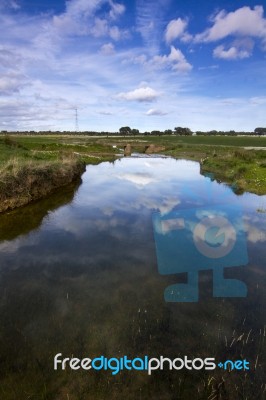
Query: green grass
{"points": [[241, 141], [27, 174], [225, 157], [243, 169], [216, 140], [53, 148]]}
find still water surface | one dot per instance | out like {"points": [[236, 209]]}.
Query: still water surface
{"points": [[79, 276]]}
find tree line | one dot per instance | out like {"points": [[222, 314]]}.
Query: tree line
{"points": [[127, 131]]}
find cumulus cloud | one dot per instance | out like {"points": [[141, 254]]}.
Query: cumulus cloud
{"points": [[255, 235], [115, 33], [176, 60], [175, 29], [100, 27], [74, 19], [107, 49], [82, 7], [232, 53], [81, 18], [241, 22], [154, 111], [239, 49], [116, 10], [143, 94], [140, 59]]}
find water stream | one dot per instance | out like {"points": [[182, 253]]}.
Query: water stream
{"points": [[79, 276]]}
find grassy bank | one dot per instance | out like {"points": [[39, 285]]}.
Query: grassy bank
{"points": [[26, 175], [33, 167], [244, 170], [24, 182]]}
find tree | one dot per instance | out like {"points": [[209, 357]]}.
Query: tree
{"points": [[183, 131], [135, 132], [125, 130], [260, 131], [201, 133], [168, 132]]}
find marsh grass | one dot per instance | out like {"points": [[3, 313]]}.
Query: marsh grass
{"points": [[23, 181], [243, 168]]}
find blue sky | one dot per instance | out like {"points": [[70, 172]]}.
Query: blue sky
{"points": [[144, 63]]}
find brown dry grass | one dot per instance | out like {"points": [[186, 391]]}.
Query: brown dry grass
{"points": [[23, 182]]}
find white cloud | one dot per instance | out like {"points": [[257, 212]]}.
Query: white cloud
{"points": [[255, 235], [239, 49], [175, 59], [242, 22], [9, 58], [116, 10], [74, 21], [80, 18], [175, 29], [150, 22], [138, 179], [105, 113], [210, 67], [12, 4], [115, 33], [100, 27], [257, 100], [82, 7], [11, 82], [154, 111], [145, 94], [233, 53], [140, 59], [107, 49]]}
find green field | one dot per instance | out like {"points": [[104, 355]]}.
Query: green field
{"points": [[226, 157]]}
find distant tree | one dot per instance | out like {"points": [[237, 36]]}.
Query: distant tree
{"points": [[183, 131], [135, 132], [156, 133], [260, 131], [200, 133], [125, 130], [168, 132]]}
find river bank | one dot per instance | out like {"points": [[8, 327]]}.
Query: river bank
{"points": [[22, 183]]}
